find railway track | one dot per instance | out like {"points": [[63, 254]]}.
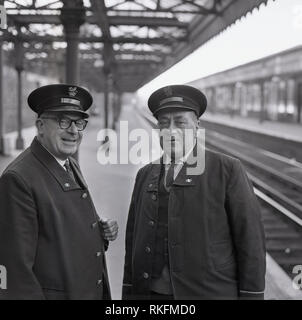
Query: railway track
{"points": [[277, 184]]}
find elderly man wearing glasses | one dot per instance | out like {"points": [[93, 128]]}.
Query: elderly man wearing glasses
{"points": [[52, 241]]}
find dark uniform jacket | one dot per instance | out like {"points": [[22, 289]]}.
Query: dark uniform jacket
{"points": [[50, 240], [215, 234]]}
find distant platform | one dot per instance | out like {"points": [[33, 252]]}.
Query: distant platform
{"points": [[284, 139], [286, 131]]}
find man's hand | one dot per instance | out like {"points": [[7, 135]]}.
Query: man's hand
{"points": [[109, 228]]}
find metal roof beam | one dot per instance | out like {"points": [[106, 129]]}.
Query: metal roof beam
{"points": [[130, 62], [200, 12], [155, 40], [115, 21], [174, 7], [147, 21], [122, 40], [25, 19], [139, 53], [97, 51], [211, 5]]}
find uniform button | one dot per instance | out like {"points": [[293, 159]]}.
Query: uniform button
{"points": [[67, 185], [84, 195], [154, 197], [99, 282], [99, 253], [145, 275], [150, 185], [151, 223], [148, 249], [94, 225]]}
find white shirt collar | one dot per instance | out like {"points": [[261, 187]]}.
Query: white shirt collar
{"points": [[61, 162]]}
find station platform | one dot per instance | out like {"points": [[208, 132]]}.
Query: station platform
{"points": [[287, 131], [111, 187], [279, 138]]}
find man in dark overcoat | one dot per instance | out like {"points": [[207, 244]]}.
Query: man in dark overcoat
{"points": [[52, 241], [192, 234]]}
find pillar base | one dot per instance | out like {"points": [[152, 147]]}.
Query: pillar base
{"points": [[20, 143]]}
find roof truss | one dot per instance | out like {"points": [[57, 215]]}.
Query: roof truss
{"points": [[133, 40]]}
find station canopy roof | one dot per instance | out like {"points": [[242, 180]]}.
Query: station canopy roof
{"points": [[133, 41]]}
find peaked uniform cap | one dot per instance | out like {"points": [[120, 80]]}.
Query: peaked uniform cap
{"points": [[60, 98], [182, 97]]}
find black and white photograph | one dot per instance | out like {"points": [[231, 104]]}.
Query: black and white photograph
{"points": [[150, 152]]}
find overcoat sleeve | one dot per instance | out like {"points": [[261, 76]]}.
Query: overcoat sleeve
{"points": [[18, 238], [127, 281], [248, 234]]}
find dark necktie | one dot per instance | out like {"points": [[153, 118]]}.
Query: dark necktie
{"points": [[170, 175], [69, 170]]}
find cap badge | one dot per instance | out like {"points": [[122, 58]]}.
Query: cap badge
{"points": [[168, 91], [72, 91]]}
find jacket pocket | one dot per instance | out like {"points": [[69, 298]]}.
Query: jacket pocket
{"points": [[222, 254], [55, 294]]}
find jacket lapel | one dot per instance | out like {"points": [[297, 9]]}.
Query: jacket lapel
{"points": [[76, 169], [51, 164]]}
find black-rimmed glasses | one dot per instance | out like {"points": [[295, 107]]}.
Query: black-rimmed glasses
{"points": [[65, 123]]}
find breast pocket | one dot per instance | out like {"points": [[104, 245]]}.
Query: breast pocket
{"points": [[223, 254], [54, 294]]}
